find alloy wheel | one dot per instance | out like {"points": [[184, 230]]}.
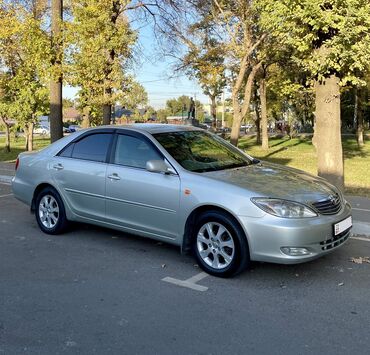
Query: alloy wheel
{"points": [[215, 245], [48, 211]]}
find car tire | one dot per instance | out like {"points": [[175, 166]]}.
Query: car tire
{"points": [[220, 245], [50, 212]]}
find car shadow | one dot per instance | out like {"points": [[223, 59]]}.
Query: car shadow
{"points": [[330, 268]]}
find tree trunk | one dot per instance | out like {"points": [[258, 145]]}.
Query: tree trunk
{"points": [[213, 110], [30, 137], [235, 128], [7, 134], [360, 117], [355, 110], [107, 107], [107, 113], [86, 117], [28, 133], [327, 133], [7, 138], [257, 123], [56, 104], [263, 97], [240, 111]]}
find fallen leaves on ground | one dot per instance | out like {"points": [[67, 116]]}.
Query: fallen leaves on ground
{"points": [[361, 260]]}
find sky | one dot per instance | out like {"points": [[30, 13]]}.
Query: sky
{"points": [[154, 73]]}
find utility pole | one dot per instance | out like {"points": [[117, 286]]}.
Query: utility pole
{"points": [[56, 82]]}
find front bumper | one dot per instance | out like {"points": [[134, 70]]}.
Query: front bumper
{"points": [[269, 235]]}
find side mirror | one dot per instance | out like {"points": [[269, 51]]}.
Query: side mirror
{"points": [[159, 166]]}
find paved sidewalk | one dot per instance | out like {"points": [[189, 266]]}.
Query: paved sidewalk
{"points": [[360, 205]]}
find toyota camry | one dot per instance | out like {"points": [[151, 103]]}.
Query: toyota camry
{"points": [[185, 186]]}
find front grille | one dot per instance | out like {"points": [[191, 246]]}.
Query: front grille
{"points": [[328, 206], [335, 241]]}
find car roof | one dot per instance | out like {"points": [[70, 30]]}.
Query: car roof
{"points": [[147, 128], [153, 128]]}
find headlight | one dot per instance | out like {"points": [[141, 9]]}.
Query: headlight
{"points": [[283, 208]]}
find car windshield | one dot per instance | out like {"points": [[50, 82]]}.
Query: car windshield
{"points": [[200, 151]]}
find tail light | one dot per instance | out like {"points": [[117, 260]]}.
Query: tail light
{"points": [[16, 164]]}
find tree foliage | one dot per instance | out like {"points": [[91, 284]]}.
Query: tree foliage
{"points": [[100, 46], [24, 46]]}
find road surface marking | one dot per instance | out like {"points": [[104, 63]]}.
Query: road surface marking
{"points": [[6, 179], [360, 209], [189, 283], [361, 238], [361, 228], [6, 195]]}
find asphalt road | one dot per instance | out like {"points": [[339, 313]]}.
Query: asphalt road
{"points": [[100, 291]]}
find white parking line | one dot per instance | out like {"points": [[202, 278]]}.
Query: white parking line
{"points": [[360, 209], [361, 238], [361, 228], [6, 179], [189, 283], [6, 195]]}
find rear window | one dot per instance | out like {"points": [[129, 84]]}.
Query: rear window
{"points": [[93, 147]]}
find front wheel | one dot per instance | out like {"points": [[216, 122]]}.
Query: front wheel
{"points": [[50, 212], [220, 245]]}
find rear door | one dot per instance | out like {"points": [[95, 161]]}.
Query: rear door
{"points": [[136, 198], [79, 171]]}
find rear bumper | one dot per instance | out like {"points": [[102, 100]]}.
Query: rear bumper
{"points": [[22, 190], [269, 236]]}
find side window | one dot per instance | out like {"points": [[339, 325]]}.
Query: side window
{"points": [[134, 152], [67, 152], [93, 147]]}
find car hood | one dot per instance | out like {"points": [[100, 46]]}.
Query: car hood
{"points": [[276, 181]]}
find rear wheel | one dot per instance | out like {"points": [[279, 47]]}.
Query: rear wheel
{"points": [[219, 244], [50, 212]]}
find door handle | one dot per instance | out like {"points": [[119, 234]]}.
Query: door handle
{"points": [[114, 176], [58, 166]]}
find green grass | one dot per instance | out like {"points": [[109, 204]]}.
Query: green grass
{"points": [[17, 145], [300, 153]]}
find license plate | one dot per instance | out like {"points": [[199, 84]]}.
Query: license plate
{"points": [[342, 225]]}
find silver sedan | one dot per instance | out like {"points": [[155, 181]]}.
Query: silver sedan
{"points": [[184, 186]]}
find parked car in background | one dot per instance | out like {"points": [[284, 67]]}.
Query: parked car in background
{"points": [[74, 128], [246, 128], [41, 129], [188, 187]]}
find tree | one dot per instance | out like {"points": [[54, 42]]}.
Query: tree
{"points": [[232, 28], [330, 40], [5, 108], [162, 115], [24, 56], [237, 22], [205, 63], [180, 106], [56, 82], [100, 47], [134, 95]]}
